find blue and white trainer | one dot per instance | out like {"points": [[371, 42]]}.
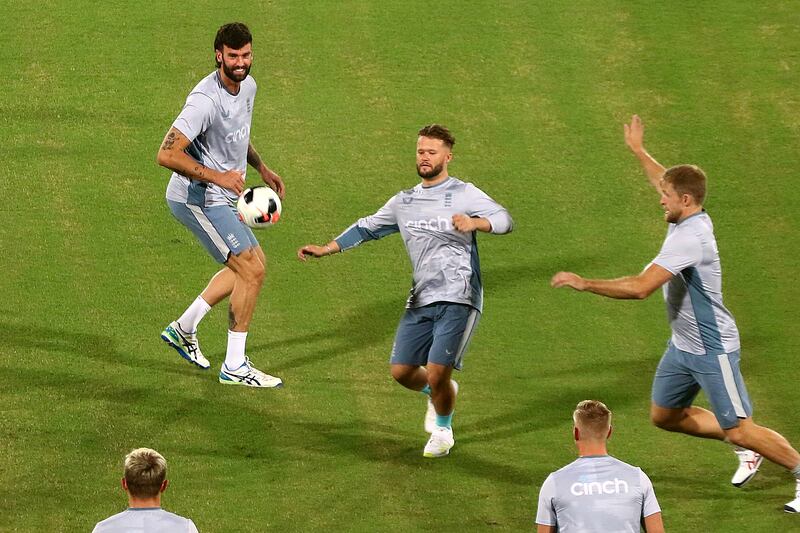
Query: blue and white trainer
{"points": [[185, 344], [248, 376]]}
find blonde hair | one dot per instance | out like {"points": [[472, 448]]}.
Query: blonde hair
{"points": [[593, 419], [145, 472]]}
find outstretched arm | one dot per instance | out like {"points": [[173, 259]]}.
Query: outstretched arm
{"points": [[172, 155], [628, 288], [311, 250], [272, 180], [634, 138]]}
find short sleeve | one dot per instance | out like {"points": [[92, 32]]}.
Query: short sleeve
{"points": [[649, 501], [196, 116], [681, 250], [546, 512]]}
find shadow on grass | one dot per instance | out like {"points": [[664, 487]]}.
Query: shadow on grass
{"points": [[369, 325], [388, 445], [103, 349]]}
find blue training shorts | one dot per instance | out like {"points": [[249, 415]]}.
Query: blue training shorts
{"points": [[680, 376], [436, 333], [218, 228]]}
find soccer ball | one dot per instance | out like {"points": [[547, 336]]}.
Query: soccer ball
{"points": [[259, 207]]}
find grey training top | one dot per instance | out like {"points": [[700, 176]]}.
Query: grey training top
{"points": [[700, 322], [218, 125], [145, 520], [596, 493], [445, 260]]}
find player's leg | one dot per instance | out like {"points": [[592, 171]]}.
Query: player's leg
{"points": [[220, 287], [764, 441], [674, 390], [453, 329], [203, 223], [249, 267], [412, 377], [410, 349], [694, 421], [722, 380]]}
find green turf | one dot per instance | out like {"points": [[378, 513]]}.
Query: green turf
{"points": [[93, 266]]}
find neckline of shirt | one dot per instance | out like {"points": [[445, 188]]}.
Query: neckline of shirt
{"points": [[424, 188]]}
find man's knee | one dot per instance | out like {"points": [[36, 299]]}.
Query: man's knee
{"points": [[664, 418], [248, 266], [403, 373], [438, 376], [742, 434]]}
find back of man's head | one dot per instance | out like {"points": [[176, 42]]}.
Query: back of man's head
{"points": [[145, 472], [593, 420]]}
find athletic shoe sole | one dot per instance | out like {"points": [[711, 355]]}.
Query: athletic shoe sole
{"points": [[228, 381]]}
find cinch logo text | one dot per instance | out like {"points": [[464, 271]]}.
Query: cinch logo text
{"points": [[438, 223], [237, 135], [618, 486]]}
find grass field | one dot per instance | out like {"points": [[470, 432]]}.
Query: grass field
{"points": [[93, 266]]}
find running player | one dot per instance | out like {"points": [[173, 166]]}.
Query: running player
{"points": [[703, 352], [437, 220], [208, 149], [596, 492]]}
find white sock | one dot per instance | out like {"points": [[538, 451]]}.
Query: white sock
{"points": [[193, 315], [234, 358]]}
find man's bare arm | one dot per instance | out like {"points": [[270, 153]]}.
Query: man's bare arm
{"points": [[172, 155]]}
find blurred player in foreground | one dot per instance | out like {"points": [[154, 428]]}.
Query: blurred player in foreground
{"points": [[144, 480], [596, 492]]}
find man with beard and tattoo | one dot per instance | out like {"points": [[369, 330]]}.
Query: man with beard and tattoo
{"points": [[208, 149], [703, 351], [437, 220]]}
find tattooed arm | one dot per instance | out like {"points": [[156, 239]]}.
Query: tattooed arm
{"points": [[270, 178], [172, 155]]}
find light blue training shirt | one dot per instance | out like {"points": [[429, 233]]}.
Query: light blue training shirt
{"points": [[444, 260], [700, 323], [218, 125], [145, 520], [596, 493]]}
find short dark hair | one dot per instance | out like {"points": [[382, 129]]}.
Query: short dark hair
{"points": [[437, 131], [233, 35], [687, 179]]}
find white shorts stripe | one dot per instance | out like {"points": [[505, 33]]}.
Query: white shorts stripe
{"points": [[468, 330], [730, 385], [212, 233]]}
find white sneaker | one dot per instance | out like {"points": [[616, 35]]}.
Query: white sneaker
{"points": [[185, 344], [794, 505], [249, 376], [440, 443], [749, 462], [430, 414]]}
